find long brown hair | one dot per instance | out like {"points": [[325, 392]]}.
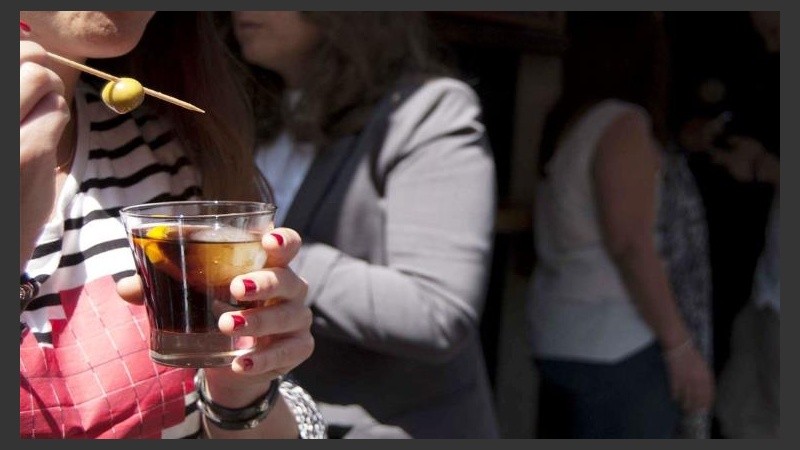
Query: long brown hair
{"points": [[360, 56], [610, 54], [182, 55]]}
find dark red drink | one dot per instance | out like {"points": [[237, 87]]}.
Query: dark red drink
{"points": [[186, 271]]}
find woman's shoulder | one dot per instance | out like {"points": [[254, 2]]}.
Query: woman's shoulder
{"points": [[437, 107], [440, 99], [611, 117], [602, 124], [439, 87], [616, 109], [435, 104], [447, 84], [627, 131], [432, 93]]}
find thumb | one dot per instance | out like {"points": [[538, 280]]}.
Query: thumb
{"points": [[130, 289]]}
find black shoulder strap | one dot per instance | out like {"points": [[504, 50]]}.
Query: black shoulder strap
{"points": [[323, 178]]}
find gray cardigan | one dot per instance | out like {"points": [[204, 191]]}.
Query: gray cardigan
{"points": [[397, 251]]}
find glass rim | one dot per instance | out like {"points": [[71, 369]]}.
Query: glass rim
{"points": [[138, 210]]}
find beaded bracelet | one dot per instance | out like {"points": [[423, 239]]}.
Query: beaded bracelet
{"points": [[310, 423]]}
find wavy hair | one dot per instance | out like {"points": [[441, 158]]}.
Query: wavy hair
{"points": [[360, 56]]}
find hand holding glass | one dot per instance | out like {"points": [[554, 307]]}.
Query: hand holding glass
{"points": [[187, 253]]}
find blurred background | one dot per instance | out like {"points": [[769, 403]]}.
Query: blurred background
{"points": [[722, 67]]}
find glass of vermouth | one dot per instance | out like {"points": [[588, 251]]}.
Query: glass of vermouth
{"points": [[187, 253]]}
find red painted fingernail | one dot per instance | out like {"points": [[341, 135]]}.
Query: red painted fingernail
{"points": [[238, 321], [278, 238], [249, 285], [24, 26], [246, 363]]}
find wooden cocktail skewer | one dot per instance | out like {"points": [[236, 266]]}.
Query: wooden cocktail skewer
{"points": [[109, 77]]}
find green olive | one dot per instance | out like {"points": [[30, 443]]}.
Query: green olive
{"points": [[123, 95]]}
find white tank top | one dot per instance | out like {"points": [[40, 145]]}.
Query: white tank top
{"points": [[578, 306]]}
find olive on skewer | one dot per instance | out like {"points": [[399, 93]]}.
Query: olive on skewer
{"points": [[123, 95]]}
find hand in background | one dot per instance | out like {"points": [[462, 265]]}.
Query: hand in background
{"points": [[768, 170], [741, 161], [698, 134], [691, 379]]}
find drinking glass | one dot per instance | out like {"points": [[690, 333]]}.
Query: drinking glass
{"points": [[187, 253]]}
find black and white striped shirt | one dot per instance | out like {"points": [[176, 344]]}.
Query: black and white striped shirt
{"points": [[84, 361]]}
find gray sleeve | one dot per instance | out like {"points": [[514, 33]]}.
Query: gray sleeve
{"points": [[440, 210]]}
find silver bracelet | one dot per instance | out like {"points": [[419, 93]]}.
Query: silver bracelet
{"points": [[310, 423]]}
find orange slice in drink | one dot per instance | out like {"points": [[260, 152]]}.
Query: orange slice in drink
{"points": [[154, 253], [151, 249]]}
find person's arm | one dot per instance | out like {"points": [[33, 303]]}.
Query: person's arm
{"points": [[43, 115], [279, 423], [625, 171], [768, 169], [440, 208], [237, 396]]}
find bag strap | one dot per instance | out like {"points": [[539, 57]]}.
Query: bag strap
{"points": [[344, 156]]}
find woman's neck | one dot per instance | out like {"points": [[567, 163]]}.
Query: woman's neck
{"points": [[67, 144]]}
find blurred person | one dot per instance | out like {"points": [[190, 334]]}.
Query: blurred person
{"points": [[749, 400], [379, 158], [727, 116], [615, 356], [85, 369], [683, 244], [750, 383]]}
